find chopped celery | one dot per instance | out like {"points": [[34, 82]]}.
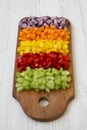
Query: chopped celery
{"points": [[54, 71], [42, 87], [43, 79], [20, 80], [47, 90], [19, 89]]}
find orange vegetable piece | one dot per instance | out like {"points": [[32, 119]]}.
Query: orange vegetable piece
{"points": [[47, 27], [52, 27], [37, 38]]}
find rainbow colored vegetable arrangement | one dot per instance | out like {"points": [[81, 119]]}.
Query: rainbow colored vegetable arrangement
{"points": [[43, 59]]}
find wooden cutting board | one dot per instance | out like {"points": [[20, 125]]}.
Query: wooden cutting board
{"points": [[33, 103]]}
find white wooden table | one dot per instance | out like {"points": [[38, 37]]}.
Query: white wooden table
{"points": [[11, 11]]}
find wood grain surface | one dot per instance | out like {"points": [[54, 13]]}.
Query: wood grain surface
{"points": [[12, 116], [57, 99]]}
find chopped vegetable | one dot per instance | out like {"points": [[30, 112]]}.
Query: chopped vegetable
{"points": [[46, 32], [42, 79], [43, 46], [33, 21], [52, 59]]}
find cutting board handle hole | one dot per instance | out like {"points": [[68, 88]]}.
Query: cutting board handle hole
{"points": [[43, 101]]}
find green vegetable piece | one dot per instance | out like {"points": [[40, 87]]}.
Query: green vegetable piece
{"points": [[18, 85], [28, 78], [42, 87], [40, 69], [49, 78], [50, 84], [34, 84], [41, 74], [23, 73], [27, 88], [41, 81], [29, 73], [68, 79], [65, 85], [63, 78], [60, 71], [25, 83], [57, 81], [57, 87], [20, 80], [54, 71], [19, 89], [48, 70], [66, 73], [47, 90], [28, 69]]}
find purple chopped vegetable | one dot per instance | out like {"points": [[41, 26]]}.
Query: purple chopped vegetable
{"points": [[49, 21], [23, 25], [33, 21], [40, 23]]}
